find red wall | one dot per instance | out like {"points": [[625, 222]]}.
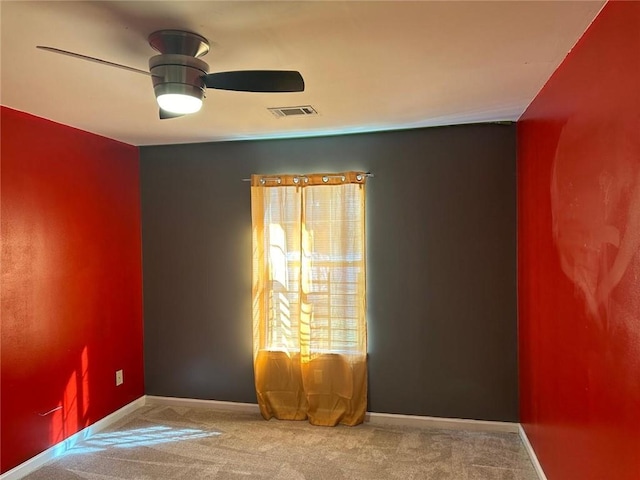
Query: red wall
{"points": [[71, 281], [579, 257]]}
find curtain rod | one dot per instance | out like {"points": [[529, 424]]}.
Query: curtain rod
{"points": [[366, 174]]}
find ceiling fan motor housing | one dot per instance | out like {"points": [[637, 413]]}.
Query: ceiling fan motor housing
{"points": [[175, 73], [177, 70]]}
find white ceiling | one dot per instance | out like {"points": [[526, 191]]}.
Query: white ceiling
{"points": [[367, 65]]}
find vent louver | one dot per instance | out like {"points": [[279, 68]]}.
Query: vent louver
{"points": [[280, 112]]}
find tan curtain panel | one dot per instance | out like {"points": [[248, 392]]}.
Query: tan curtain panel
{"points": [[309, 326]]}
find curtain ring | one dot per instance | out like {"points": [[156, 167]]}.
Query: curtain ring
{"points": [[358, 177], [343, 178], [325, 179], [279, 180], [262, 181], [296, 180]]}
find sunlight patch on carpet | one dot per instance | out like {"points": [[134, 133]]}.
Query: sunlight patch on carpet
{"points": [[140, 437]]}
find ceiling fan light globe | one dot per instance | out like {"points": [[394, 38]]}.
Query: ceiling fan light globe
{"points": [[179, 103]]}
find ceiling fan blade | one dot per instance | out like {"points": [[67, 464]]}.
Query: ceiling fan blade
{"points": [[92, 59], [270, 81], [164, 114]]}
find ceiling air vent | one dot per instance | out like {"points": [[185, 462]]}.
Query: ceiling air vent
{"points": [[293, 111]]}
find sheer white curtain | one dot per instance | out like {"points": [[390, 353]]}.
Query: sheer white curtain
{"points": [[310, 336]]}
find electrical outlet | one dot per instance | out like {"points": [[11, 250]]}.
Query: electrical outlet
{"points": [[119, 378]]}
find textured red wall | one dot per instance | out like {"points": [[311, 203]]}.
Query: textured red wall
{"points": [[71, 281], [579, 257]]}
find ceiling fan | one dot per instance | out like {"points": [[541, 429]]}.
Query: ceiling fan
{"points": [[180, 77]]}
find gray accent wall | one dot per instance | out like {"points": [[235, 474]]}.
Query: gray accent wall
{"points": [[441, 260]]}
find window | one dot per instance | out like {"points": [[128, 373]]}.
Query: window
{"points": [[313, 260]]}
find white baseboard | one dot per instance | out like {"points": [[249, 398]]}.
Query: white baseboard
{"points": [[194, 402], [437, 422], [371, 417], [58, 449], [532, 454]]}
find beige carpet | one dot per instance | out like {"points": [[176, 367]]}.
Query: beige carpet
{"points": [[159, 442]]}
